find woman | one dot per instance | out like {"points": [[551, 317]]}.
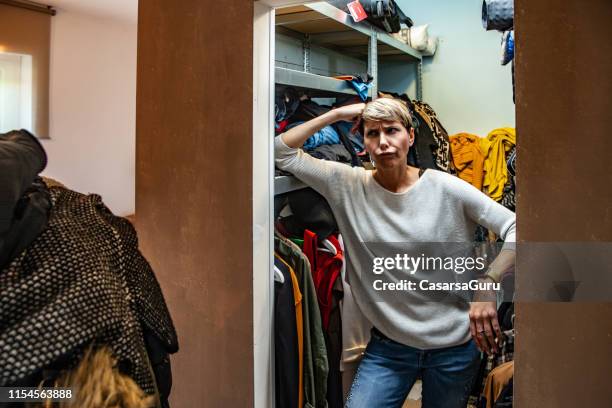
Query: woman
{"points": [[398, 203]]}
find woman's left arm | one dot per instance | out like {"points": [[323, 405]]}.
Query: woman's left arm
{"points": [[484, 326]]}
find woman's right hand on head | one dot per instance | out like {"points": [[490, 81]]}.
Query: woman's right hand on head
{"points": [[296, 136], [349, 113]]}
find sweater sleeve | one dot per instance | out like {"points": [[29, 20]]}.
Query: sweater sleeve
{"points": [[321, 175], [490, 214]]}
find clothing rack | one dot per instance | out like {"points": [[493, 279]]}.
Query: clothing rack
{"points": [[324, 25]]}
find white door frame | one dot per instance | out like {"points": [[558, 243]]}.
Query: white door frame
{"points": [[263, 199]]}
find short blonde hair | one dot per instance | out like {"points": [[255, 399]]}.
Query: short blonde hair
{"points": [[386, 109]]}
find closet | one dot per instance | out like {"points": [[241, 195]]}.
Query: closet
{"points": [[324, 59]]}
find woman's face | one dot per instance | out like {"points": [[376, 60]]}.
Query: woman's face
{"points": [[387, 142]]}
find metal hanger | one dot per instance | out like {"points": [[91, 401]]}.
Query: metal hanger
{"points": [[278, 275], [328, 247]]}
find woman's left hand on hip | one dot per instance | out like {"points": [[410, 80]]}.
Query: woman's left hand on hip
{"points": [[484, 326]]}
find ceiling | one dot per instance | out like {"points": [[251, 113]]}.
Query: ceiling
{"points": [[125, 10]]}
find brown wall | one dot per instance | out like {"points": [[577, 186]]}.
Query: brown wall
{"points": [[564, 61], [29, 32], [193, 188]]}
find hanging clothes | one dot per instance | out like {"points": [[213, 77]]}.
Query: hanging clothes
{"points": [[299, 329], [468, 154], [506, 397], [421, 154], [310, 211], [490, 362], [286, 340], [496, 382], [508, 199], [326, 269], [316, 366], [333, 343], [501, 141]]}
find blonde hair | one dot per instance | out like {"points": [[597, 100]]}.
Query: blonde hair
{"points": [[387, 109], [97, 383]]}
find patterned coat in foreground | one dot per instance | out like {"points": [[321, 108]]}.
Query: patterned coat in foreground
{"points": [[82, 282]]}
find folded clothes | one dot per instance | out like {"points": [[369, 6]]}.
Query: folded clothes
{"points": [[325, 136], [336, 152], [307, 110], [279, 127], [285, 104]]}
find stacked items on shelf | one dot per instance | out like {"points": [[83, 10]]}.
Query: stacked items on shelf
{"points": [[418, 38], [321, 25], [329, 27], [335, 142], [386, 15], [338, 142]]}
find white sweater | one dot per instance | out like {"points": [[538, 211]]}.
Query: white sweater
{"points": [[439, 207]]}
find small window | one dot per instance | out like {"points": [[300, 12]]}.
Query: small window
{"points": [[25, 31], [15, 92]]}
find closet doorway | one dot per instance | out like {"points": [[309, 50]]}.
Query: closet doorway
{"points": [[301, 45]]}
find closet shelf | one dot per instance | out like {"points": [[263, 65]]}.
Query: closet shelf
{"points": [[326, 86], [331, 27], [286, 184]]}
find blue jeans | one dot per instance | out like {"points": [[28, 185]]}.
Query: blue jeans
{"points": [[389, 370]]}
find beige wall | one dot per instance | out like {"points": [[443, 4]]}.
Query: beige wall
{"points": [[93, 105]]}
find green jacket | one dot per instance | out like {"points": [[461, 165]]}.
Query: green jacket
{"points": [[316, 367]]}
